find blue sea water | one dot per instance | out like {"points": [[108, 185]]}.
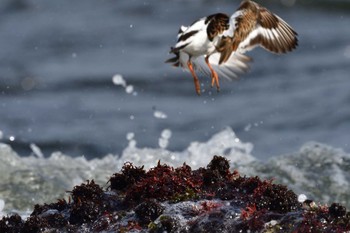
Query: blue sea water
{"points": [[58, 59]]}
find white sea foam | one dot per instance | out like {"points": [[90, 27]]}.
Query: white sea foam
{"points": [[198, 154], [25, 178], [2, 205], [315, 165]]}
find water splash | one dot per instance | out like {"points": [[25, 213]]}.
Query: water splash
{"points": [[36, 150], [2, 205], [29, 180], [163, 141], [130, 137]]}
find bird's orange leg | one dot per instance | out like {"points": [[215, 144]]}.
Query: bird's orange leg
{"points": [[195, 78], [214, 75]]}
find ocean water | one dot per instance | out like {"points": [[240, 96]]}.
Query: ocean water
{"points": [[84, 87]]}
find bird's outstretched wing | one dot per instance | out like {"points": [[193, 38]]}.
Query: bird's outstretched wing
{"points": [[267, 30]]}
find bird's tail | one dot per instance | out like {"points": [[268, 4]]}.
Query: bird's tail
{"points": [[174, 60]]}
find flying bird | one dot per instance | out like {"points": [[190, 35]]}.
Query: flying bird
{"points": [[215, 45]]}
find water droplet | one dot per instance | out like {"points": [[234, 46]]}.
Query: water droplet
{"points": [[159, 115], [132, 143], [163, 143], [302, 198], [247, 127], [130, 136], [119, 80], [129, 89], [36, 150], [166, 133]]}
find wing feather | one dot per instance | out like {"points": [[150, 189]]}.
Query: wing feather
{"points": [[236, 65], [287, 37], [270, 31]]}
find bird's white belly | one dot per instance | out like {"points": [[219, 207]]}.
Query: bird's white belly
{"points": [[200, 45]]}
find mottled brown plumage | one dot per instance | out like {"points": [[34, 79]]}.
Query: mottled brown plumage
{"points": [[225, 48], [218, 23], [244, 25], [280, 39]]}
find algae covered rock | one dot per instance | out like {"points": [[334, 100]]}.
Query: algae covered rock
{"points": [[167, 199]]}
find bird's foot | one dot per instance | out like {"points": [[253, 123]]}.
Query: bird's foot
{"points": [[215, 81], [197, 86]]}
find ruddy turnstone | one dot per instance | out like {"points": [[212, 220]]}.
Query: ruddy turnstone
{"points": [[216, 44]]}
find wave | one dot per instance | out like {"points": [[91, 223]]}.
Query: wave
{"points": [[316, 170]]}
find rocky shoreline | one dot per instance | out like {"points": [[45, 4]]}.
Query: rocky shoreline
{"points": [[167, 199]]}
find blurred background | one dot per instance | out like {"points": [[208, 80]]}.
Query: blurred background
{"points": [[57, 60]]}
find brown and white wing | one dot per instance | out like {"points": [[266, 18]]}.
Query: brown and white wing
{"points": [[272, 33]]}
